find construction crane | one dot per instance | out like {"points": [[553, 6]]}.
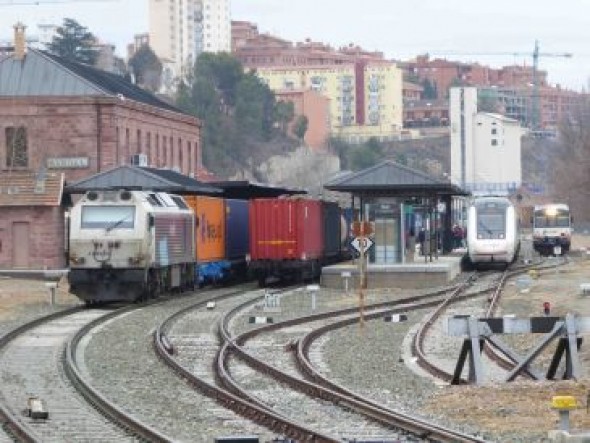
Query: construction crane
{"points": [[535, 110], [535, 114]]}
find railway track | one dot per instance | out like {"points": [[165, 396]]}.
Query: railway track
{"points": [[232, 395], [37, 360], [418, 343], [53, 345]]}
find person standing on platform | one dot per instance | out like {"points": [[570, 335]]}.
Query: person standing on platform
{"points": [[411, 245], [422, 239]]}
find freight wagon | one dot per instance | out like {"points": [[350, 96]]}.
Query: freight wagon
{"points": [[293, 237], [221, 238]]}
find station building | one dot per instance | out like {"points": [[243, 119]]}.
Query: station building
{"points": [[62, 121]]}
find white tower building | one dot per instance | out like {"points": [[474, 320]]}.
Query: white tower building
{"points": [[485, 147], [179, 30]]}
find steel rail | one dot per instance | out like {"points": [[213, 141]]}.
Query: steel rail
{"points": [[337, 396]]}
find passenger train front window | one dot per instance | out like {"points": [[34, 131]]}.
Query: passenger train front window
{"points": [[491, 222], [561, 220], [108, 217]]}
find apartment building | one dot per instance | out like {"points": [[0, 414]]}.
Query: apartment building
{"points": [[365, 97], [180, 30]]}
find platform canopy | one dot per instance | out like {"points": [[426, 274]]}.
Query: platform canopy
{"points": [[142, 178], [245, 190], [393, 179]]}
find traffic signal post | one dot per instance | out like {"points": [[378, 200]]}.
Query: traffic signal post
{"points": [[362, 243]]}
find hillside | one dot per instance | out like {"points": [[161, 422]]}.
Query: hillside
{"points": [[282, 161]]}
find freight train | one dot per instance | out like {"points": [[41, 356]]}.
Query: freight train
{"points": [[133, 245], [493, 231]]}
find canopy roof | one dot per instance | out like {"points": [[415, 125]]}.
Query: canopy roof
{"points": [[393, 179]]}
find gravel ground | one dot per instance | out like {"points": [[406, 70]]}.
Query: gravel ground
{"points": [[507, 412], [372, 360]]}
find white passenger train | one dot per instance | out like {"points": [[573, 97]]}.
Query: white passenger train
{"points": [[493, 231], [130, 245], [552, 229]]}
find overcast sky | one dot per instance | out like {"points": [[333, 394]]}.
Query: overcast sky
{"points": [[400, 29]]}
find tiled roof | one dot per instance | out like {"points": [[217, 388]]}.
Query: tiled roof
{"points": [[31, 189]]}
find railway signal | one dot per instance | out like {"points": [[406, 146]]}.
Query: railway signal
{"points": [[362, 244]]}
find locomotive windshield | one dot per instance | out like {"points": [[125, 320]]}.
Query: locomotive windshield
{"points": [[556, 218], [108, 217], [491, 220]]}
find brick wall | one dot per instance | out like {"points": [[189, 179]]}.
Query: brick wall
{"points": [[106, 130], [46, 244]]}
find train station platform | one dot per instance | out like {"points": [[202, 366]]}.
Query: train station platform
{"points": [[412, 275]]}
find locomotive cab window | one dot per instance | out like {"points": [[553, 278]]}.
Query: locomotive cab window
{"points": [[153, 200], [179, 202], [108, 217]]}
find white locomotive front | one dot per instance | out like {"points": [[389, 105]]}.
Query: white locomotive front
{"points": [[130, 245], [493, 231]]}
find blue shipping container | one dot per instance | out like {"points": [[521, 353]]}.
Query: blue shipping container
{"points": [[237, 237]]}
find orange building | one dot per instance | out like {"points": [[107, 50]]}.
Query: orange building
{"points": [[315, 107]]}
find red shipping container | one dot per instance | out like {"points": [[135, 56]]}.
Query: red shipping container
{"points": [[285, 229]]}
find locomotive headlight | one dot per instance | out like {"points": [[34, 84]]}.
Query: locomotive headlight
{"points": [[136, 260], [501, 236], [77, 260], [479, 236]]}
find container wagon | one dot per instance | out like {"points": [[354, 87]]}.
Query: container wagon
{"points": [[210, 263], [332, 225], [286, 238], [237, 238]]}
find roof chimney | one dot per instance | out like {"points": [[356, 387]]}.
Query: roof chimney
{"points": [[20, 43]]}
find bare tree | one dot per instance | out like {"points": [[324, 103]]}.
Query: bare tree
{"points": [[570, 173]]}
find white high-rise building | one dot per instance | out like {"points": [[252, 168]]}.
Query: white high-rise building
{"points": [[485, 147], [180, 30]]}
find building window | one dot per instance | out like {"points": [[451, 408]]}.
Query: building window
{"points": [[127, 145], [164, 151], [16, 147], [180, 165], [190, 157], [158, 162], [494, 131], [139, 141], [494, 142]]}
